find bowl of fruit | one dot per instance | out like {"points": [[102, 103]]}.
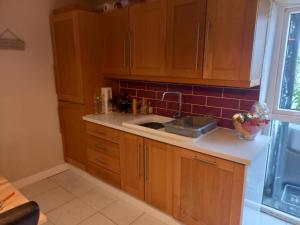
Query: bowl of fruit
{"points": [[249, 124]]}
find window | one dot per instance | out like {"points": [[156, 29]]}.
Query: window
{"points": [[282, 182], [284, 95]]}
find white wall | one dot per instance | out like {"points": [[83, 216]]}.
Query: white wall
{"points": [[30, 139]]}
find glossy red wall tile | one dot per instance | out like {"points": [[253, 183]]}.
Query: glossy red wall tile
{"points": [[220, 102]]}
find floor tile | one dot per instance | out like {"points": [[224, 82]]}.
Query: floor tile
{"points": [[71, 213], [73, 183], [98, 198], [52, 199], [148, 220], [38, 188], [122, 212], [97, 219]]}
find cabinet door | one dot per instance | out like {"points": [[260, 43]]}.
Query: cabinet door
{"points": [[158, 175], [116, 41], [147, 38], [72, 128], [186, 32], [207, 190], [229, 38], [132, 164], [67, 57]]}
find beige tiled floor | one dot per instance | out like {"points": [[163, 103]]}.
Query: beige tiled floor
{"points": [[68, 199]]}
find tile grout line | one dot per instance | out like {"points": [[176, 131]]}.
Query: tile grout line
{"points": [[136, 219]]}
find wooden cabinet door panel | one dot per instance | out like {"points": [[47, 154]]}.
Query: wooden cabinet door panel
{"points": [[72, 128], [207, 190], [132, 164], [116, 41], [186, 32], [67, 57], [158, 175], [147, 38], [230, 29]]}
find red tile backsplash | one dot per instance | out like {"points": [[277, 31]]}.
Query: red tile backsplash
{"points": [[220, 102]]}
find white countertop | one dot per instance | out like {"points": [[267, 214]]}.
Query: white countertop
{"points": [[223, 143]]}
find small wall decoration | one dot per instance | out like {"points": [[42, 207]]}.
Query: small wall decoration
{"points": [[10, 41]]}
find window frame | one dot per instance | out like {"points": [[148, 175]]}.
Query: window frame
{"points": [[284, 10]]}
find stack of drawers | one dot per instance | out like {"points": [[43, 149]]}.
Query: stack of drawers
{"points": [[103, 152]]}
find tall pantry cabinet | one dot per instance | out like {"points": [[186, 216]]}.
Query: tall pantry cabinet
{"points": [[77, 49]]}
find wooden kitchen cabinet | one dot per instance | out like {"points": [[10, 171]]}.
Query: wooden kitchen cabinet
{"points": [[210, 42], [103, 153], [76, 39], [132, 165], [146, 170], [116, 41], [185, 38], [207, 190], [158, 175], [147, 38], [69, 81], [72, 129], [235, 41]]}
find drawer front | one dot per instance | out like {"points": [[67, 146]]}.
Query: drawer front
{"points": [[104, 174], [103, 132], [104, 160], [106, 147]]}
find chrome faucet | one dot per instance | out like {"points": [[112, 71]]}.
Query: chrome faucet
{"points": [[177, 114]]}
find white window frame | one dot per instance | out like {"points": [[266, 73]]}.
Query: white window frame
{"points": [[284, 10]]}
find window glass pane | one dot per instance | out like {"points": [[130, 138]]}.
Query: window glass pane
{"points": [[290, 91], [282, 183]]}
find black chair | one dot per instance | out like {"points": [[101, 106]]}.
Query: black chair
{"points": [[26, 214]]}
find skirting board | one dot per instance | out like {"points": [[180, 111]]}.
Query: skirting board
{"points": [[41, 175], [126, 197]]}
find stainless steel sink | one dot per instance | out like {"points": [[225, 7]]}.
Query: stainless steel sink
{"points": [[153, 125], [191, 126]]}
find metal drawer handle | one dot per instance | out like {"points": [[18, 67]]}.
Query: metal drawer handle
{"points": [[214, 163], [101, 147], [99, 132], [101, 162]]}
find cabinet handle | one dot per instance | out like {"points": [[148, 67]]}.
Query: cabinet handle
{"points": [[197, 50], [206, 55], [125, 50], [130, 49], [146, 162], [101, 162], [101, 147], [138, 159], [99, 132], [214, 163]]}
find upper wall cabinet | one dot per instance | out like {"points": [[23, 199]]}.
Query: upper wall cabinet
{"points": [[147, 38], [69, 82], [76, 37], [235, 41], [212, 42], [116, 41], [185, 38]]}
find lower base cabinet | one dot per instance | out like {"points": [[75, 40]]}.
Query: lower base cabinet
{"points": [[103, 153], [146, 170], [195, 188], [72, 129], [207, 190]]}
